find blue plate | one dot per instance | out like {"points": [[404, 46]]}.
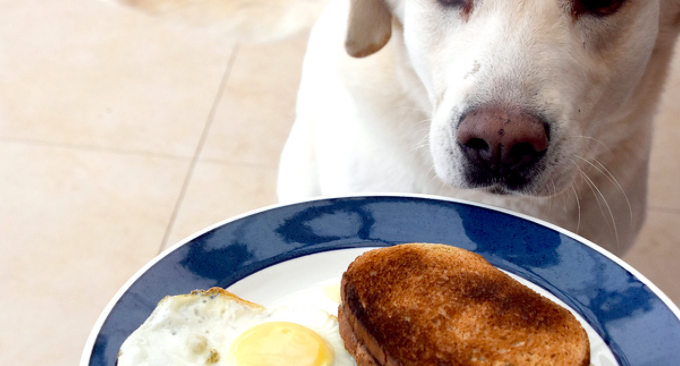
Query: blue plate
{"points": [[640, 324]]}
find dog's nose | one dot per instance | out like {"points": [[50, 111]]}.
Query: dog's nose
{"points": [[501, 141]]}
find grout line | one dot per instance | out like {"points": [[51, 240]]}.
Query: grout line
{"points": [[199, 148], [239, 163], [93, 148]]}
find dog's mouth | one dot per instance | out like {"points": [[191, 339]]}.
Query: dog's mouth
{"points": [[518, 181], [497, 190]]}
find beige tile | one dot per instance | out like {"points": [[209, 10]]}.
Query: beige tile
{"points": [[91, 73], [75, 224], [665, 161], [218, 191], [656, 253], [257, 108]]}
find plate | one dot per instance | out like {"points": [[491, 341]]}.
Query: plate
{"points": [[637, 322]]}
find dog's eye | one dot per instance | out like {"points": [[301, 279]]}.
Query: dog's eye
{"points": [[457, 3], [463, 6], [452, 2], [596, 7]]}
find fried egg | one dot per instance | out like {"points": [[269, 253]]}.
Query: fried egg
{"points": [[216, 327]]}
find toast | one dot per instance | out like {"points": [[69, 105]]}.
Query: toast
{"points": [[430, 304]]}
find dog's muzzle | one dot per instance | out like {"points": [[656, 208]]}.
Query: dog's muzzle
{"points": [[502, 147]]}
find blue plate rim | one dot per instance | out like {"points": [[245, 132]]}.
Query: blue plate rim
{"points": [[90, 342]]}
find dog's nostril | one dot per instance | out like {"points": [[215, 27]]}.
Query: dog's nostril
{"points": [[520, 155], [477, 144], [522, 149]]}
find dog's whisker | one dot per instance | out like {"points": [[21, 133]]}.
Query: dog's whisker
{"points": [[410, 107], [425, 140], [418, 147], [604, 171], [428, 112], [578, 205], [609, 150], [552, 194], [615, 181], [594, 188], [565, 201], [597, 199], [442, 187], [417, 127], [434, 176], [422, 127], [423, 143], [583, 177], [554, 187], [430, 171]]}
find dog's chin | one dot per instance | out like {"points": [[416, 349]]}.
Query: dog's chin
{"points": [[530, 188], [509, 184], [501, 190], [533, 187], [497, 190]]}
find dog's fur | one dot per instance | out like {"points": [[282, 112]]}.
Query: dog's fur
{"points": [[384, 123]]}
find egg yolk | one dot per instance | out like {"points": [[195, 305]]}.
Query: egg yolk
{"points": [[281, 344]]}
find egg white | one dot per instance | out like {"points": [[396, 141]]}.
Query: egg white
{"points": [[201, 327]]}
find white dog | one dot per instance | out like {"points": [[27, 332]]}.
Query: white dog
{"points": [[544, 107]]}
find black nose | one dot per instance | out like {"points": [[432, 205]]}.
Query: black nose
{"points": [[502, 144]]}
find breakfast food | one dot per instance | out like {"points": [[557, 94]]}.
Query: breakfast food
{"points": [[216, 327], [428, 304]]}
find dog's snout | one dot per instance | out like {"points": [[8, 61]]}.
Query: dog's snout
{"points": [[502, 143]]}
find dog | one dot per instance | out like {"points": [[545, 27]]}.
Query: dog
{"points": [[543, 107]]}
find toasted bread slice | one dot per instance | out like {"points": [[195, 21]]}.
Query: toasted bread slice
{"points": [[429, 304]]}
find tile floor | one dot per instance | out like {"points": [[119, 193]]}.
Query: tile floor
{"points": [[121, 135]]}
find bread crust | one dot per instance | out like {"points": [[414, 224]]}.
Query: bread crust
{"points": [[430, 304], [358, 350]]}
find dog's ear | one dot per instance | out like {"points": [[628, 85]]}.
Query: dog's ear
{"points": [[369, 27]]}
